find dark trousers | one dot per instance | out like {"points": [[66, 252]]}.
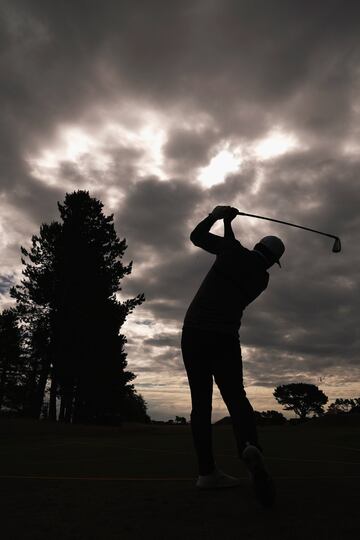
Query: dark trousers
{"points": [[207, 355]]}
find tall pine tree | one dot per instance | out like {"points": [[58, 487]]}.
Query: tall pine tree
{"points": [[36, 306], [75, 274]]}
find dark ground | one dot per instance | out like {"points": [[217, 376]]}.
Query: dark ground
{"points": [[77, 482]]}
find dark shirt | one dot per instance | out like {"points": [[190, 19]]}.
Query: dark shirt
{"points": [[236, 278]]}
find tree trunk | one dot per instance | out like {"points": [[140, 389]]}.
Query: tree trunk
{"points": [[53, 391], [30, 395], [40, 390], [2, 386], [62, 409], [69, 407]]}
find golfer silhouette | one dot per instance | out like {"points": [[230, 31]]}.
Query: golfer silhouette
{"points": [[211, 348]]}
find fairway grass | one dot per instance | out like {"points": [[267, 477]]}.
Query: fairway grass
{"points": [[81, 482]]}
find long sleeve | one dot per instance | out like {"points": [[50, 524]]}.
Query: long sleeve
{"points": [[228, 232], [202, 238]]}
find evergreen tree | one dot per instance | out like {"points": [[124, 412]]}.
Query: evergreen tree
{"points": [[72, 283], [35, 307], [10, 361], [134, 406], [38, 365]]}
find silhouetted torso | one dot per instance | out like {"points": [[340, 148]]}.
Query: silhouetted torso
{"points": [[237, 277]]}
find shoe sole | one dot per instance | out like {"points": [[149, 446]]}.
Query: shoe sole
{"points": [[264, 487], [262, 482]]}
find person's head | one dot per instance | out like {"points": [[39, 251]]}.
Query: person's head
{"points": [[271, 248]]}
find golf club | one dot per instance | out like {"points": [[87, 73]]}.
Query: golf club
{"points": [[337, 244]]}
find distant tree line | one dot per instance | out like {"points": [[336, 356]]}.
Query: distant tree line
{"points": [[303, 399], [263, 418], [62, 338], [345, 406], [179, 421]]}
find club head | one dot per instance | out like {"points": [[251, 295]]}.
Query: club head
{"points": [[337, 246]]}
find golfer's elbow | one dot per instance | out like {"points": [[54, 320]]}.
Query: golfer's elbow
{"points": [[196, 238]]}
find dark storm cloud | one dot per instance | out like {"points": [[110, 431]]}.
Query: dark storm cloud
{"points": [[229, 59], [270, 368], [5, 283], [294, 62], [232, 58], [169, 285], [42, 84], [320, 185], [37, 201], [154, 213], [187, 149], [164, 340], [155, 360]]}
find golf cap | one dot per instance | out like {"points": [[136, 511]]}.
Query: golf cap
{"points": [[274, 246]]}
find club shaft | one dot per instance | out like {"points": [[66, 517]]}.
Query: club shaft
{"points": [[287, 223]]}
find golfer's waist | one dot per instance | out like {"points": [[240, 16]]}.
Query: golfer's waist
{"points": [[212, 326], [199, 314]]}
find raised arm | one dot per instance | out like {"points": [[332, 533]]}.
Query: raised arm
{"points": [[212, 243], [228, 232]]}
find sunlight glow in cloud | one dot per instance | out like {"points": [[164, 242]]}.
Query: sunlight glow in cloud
{"points": [[227, 161], [91, 150], [275, 144], [220, 166], [151, 139], [351, 148], [72, 145]]}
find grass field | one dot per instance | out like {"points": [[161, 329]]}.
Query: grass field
{"points": [[77, 482]]}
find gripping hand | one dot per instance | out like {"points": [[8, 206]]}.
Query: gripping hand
{"points": [[227, 213]]}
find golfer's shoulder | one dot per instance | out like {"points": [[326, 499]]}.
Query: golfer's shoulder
{"points": [[237, 252], [232, 244], [243, 252]]}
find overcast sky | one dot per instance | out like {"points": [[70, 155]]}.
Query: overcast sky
{"points": [[164, 110]]}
